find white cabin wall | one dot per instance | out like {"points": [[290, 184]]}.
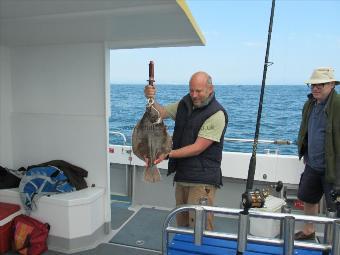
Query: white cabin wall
{"points": [[59, 107], [5, 108]]}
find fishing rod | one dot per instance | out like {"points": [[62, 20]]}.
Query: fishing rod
{"points": [[254, 198], [246, 197]]}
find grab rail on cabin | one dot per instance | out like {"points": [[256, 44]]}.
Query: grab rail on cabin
{"points": [[330, 245]]}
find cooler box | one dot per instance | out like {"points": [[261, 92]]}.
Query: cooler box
{"points": [[7, 214], [267, 227]]}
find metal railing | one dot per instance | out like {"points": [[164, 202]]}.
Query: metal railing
{"points": [[330, 244], [119, 134], [228, 139], [241, 140]]}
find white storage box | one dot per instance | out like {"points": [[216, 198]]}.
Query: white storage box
{"points": [[267, 227], [81, 211]]}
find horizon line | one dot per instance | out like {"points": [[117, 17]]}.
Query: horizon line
{"points": [[182, 84]]}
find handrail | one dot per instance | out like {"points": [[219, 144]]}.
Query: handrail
{"points": [[229, 139], [120, 134], [241, 140], [286, 241]]}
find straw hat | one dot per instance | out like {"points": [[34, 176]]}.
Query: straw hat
{"points": [[322, 75]]}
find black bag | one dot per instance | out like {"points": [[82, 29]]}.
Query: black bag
{"points": [[7, 179]]}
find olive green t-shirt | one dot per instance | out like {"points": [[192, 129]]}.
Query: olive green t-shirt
{"points": [[211, 129]]}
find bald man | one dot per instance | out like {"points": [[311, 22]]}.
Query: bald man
{"points": [[200, 125]]}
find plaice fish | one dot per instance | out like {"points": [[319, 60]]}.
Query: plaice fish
{"points": [[150, 140]]}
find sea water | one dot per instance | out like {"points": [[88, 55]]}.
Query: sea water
{"points": [[280, 120]]}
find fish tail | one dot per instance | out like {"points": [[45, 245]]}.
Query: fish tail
{"points": [[152, 174], [148, 174], [156, 175]]}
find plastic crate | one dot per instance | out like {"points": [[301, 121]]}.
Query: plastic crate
{"points": [[267, 227]]}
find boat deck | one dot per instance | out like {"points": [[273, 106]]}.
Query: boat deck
{"points": [[138, 230]]}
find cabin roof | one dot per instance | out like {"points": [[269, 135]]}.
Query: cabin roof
{"points": [[121, 24]]}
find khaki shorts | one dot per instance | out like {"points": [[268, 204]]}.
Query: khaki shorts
{"points": [[192, 195]]}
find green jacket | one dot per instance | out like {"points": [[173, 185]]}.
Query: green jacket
{"points": [[332, 137]]}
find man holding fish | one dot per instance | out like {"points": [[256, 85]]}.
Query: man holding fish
{"points": [[195, 158]]}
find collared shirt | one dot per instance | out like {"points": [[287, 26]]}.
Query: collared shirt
{"points": [[316, 137]]}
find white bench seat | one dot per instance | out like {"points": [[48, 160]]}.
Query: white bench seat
{"points": [[71, 215]]}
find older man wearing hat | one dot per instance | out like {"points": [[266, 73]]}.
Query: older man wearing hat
{"points": [[319, 145]]}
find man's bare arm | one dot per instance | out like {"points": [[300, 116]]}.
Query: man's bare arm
{"points": [[200, 145]]}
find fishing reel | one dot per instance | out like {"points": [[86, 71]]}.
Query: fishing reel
{"points": [[253, 199], [335, 196], [277, 187], [257, 198]]}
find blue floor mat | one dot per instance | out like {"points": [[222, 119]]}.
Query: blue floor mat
{"points": [[183, 244]]}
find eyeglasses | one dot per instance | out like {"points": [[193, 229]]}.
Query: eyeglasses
{"points": [[318, 85]]}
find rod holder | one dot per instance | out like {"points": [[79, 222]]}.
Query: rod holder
{"points": [[288, 237], [328, 232], [199, 225], [204, 201], [336, 238], [284, 209], [243, 226]]}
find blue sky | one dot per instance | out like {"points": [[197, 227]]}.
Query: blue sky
{"points": [[306, 34]]}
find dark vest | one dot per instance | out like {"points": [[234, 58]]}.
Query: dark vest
{"points": [[206, 167]]}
